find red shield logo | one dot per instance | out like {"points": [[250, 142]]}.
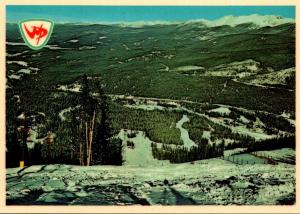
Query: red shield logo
{"points": [[36, 32]]}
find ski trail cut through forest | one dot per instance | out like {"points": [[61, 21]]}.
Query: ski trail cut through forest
{"points": [[184, 135]]}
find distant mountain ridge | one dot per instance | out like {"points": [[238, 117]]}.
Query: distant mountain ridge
{"points": [[258, 20], [255, 19]]}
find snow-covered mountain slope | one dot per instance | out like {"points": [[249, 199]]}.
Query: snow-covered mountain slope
{"points": [[258, 20]]}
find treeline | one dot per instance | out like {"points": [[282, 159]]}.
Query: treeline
{"points": [[198, 124], [159, 126], [180, 154], [84, 138], [275, 143], [274, 121]]}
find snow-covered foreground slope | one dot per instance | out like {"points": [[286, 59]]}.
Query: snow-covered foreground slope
{"points": [[213, 181]]}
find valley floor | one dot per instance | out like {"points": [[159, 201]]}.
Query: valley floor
{"points": [[212, 181]]}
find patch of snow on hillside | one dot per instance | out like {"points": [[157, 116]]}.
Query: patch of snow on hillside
{"points": [[62, 112], [55, 47], [24, 71], [73, 41], [287, 116], [255, 134], [34, 69], [13, 76], [73, 87], [189, 68], [239, 69], [221, 110], [243, 119], [15, 54], [206, 135], [148, 107], [15, 43], [275, 77], [22, 63], [249, 64], [21, 116], [258, 123], [87, 48]]}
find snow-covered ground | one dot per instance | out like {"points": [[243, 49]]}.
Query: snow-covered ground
{"points": [[51, 47], [72, 87], [240, 126], [62, 112], [235, 69], [184, 135], [73, 41], [221, 110], [286, 155], [87, 48], [189, 68], [141, 154], [22, 63], [212, 181], [147, 107], [15, 54], [24, 71], [13, 76], [273, 78]]}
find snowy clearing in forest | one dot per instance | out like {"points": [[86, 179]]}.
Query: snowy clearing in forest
{"points": [[257, 131], [221, 110], [141, 152], [145, 107], [255, 134], [184, 135]]}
